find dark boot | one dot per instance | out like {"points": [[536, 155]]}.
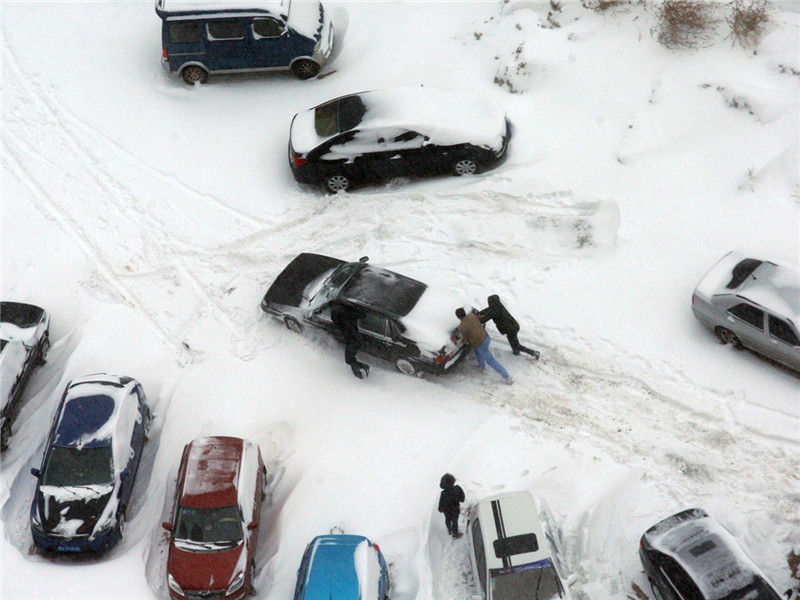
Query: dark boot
{"points": [[364, 367], [533, 353], [356, 371]]}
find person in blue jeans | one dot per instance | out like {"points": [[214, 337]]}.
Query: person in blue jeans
{"points": [[474, 333]]}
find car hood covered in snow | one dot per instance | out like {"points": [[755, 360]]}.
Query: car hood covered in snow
{"points": [[208, 568], [75, 511], [288, 287]]}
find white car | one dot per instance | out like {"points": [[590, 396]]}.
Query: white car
{"points": [[514, 549], [752, 303], [24, 342]]}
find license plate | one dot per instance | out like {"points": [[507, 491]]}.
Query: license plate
{"points": [[69, 548]]}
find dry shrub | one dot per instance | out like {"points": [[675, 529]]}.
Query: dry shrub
{"points": [[748, 20], [685, 23]]}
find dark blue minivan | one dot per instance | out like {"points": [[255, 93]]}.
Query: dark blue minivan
{"points": [[201, 37]]}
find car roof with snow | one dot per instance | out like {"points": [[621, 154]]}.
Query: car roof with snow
{"points": [[18, 321], [708, 552], [304, 16], [445, 117], [94, 411], [342, 566], [770, 284], [213, 474], [512, 530]]}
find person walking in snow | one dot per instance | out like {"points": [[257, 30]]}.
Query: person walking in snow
{"points": [[474, 333], [450, 500], [346, 317], [506, 325]]}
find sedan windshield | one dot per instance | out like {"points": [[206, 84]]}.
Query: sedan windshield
{"points": [[338, 115], [209, 526], [526, 583], [70, 466]]}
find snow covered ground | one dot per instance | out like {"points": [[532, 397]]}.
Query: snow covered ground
{"points": [[148, 218]]}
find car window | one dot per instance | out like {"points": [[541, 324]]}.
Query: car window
{"points": [[225, 29], [781, 330], [267, 28], [516, 544], [480, 556], [679, 579], [184, 33], [301, 575], [338, 115], [749, 314], [375, 324]]}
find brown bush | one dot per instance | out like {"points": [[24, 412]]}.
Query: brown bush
{"points": [[685, 23], [748, 20]]}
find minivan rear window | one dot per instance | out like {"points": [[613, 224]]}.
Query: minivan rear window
{"points": [[339, 115], [184, 33]]}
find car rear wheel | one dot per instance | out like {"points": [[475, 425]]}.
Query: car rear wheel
{"points": [[293, 325], [335, 183], [405, 366], [194, 74], [465, 166], [44, 348], [305, 68], [726, 336], [5, 434]]}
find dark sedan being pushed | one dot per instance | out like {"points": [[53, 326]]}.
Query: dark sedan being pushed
{"points": [[406, 322], [375, 136]]}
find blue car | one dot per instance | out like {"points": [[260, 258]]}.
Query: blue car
{"points": [[233, 36], [89, 466], [342, 567]]}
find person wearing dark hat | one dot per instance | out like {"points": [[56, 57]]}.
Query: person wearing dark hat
{"points": [[450, 501], [506, 325]]}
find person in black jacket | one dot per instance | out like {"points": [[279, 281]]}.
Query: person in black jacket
{"points": [[346, 317], [506, 324], [450, 503]]}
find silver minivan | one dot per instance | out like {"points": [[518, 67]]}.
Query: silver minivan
{"points": [[752, 303]]}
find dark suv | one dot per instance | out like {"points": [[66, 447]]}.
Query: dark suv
{"points": [[405, 321], [691, 556]]}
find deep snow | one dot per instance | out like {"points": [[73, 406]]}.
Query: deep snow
{"points": [[149, 218]]}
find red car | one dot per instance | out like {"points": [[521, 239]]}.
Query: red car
{"points": [[215, 520]]}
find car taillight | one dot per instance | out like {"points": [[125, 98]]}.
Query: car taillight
{"points": [[693, 298], [374, 545], [297, 161], [442, 358], [164, 54]]}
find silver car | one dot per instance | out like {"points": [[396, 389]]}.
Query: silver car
{"points": [[752, 303]]}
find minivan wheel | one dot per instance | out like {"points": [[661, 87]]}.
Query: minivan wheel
{"points": [[726, 336], [335, 183], [194, 74], [305, 68], [293, 325], [465, 166], [405, 366]]}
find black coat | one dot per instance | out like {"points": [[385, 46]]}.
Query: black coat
{"points": [[346, 317], [450, 499], [505, 323]]}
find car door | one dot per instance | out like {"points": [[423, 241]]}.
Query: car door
{"points": [[376, 335], [479, 556], [270, 41], [401, 152], [783, 343], [321, 317], [747, 322], [227, 44], [364, 156]]}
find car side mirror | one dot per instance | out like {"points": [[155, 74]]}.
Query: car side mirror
{"points": [[124, 475], [36, 473], [252, 525], [363, 259], [167, 525]]}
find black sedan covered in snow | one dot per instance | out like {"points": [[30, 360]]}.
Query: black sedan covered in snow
{"points": [[374, 136], [691, 556], [406, 322], [89, 465], [24, 342]]}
